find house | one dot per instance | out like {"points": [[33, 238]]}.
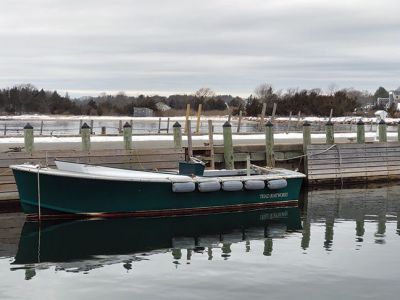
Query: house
{"points": [[394, 98]]}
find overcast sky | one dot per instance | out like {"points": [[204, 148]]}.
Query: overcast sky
{"points": [[179, 46]]}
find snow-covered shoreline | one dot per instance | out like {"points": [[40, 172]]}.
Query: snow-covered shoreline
{"points": [[344, 119]]}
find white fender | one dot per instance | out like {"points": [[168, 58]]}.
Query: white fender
{"points": [[183, 187], [277, 184], [209, 186], [254, 184], [232, 185]]}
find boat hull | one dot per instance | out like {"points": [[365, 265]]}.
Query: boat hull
{"points": [[102, 197]]}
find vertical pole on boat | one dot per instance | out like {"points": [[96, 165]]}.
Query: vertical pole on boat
{"points": [[85, 134], [330, 135], [360, 132], [177, 128], [306, 142], [198, 118], [382, 131], [189, 139], [228, 146], [211, 143], [269, 144], [28, 137], [240, 121], [127, 136], [187, 116]]}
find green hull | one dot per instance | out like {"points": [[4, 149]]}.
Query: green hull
{"points": [[75, 195]]}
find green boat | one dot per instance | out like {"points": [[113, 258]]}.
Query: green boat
{"points": [[80, 190]]}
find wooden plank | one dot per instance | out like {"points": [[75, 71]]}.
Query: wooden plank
{"points": [[77, 153], [354, 165]]}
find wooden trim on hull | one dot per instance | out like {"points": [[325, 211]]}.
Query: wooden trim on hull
{"points": [[166, 212]]}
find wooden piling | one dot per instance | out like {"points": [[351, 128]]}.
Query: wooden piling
{"points": [[168, 125], [398, 132], [127, 131], [5, 129], [288, 125], [120, 126], [103, 130], [269, 144], [306, 142], [240, 121], [228, 146], [298, 119], [80, 125], [273, 112], [187, 117], [211, 143], [41, 127], [189, 139], [91, 126], [159, 125], [177, 129], [263, 110], [28, 138], [198, 118], [382, 132], [85, 134], [330, 134], [360, 132]]}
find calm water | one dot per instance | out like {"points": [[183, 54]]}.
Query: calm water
{"points": [[342, 244]]}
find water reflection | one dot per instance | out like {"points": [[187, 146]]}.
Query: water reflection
{"points": [[369, 216], [378, 204], [83, 245]]}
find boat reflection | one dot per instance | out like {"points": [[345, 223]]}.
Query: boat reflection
{"points": [[82, 245]]}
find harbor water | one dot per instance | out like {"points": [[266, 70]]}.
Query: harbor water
{"points": [[340, 244]]}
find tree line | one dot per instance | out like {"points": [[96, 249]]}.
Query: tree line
{"points": [[28, 99]]}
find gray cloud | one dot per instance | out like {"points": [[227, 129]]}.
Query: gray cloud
{"points": [[180, 46]]}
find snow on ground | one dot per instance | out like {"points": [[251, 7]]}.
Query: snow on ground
{"points": [[279, 138], [347, 119]]}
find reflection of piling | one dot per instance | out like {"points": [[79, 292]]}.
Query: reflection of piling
{"points": [[210, 253], [329, 224], [268, 245], [247, 246], [85, 135], [360, 230], [28, 138], [176, 253], [305, 240], [226, 250], [188, 254], [30, 273], [381, 229], [228, 146]]}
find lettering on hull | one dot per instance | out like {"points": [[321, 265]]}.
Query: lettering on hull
{"points": [[275, 195]]}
